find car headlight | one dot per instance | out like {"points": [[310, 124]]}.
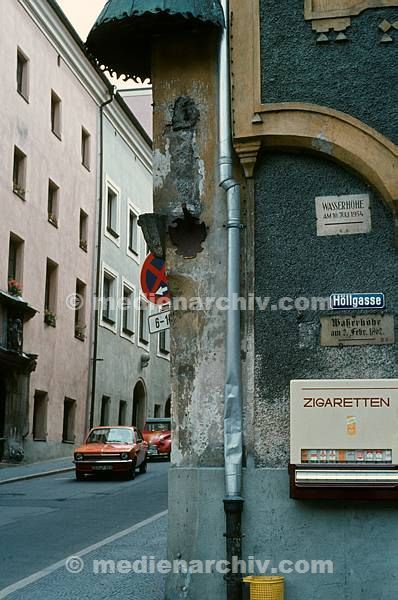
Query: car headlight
{"points": [[124, 456], [79, 457]]}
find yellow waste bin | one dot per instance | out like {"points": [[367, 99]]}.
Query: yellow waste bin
{"points": [[266, 588]]}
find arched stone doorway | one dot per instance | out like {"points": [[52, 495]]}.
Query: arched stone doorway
{"points": [[167, 408], [139, 405]]}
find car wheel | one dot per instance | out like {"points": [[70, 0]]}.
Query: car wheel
{"points": [[131, 472], [79, 476], [143, 466]]}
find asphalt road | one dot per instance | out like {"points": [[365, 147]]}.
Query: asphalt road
{"points": [[44, 521]]}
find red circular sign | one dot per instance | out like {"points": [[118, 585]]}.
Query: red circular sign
{"points": [[154, 282]]}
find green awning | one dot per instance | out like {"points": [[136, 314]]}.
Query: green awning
{"points": [[121, 38]]}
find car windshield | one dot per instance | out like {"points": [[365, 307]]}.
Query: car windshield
{"points": [[164, 426], [110, 436]]}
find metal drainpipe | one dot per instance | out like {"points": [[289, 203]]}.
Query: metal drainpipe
{"points": [[112, 91], [233, 448]]}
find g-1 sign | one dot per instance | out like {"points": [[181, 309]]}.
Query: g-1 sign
{"points": [[159, 322]]}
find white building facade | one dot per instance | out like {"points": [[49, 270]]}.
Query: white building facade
{"points": [[132, 366]]}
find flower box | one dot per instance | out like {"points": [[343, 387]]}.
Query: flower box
{"points": [[50, 318], [79, 332], [53, 219], [14, 288], [19, 190]]}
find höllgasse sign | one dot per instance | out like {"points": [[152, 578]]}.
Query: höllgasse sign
{"points": [[354, 301]]}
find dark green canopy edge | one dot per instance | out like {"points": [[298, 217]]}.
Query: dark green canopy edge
{"points": [[121, 38]]}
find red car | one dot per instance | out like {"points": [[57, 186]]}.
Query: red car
{"points": [[119, 450], [157, 432]]}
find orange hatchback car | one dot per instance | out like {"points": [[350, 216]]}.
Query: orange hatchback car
{"points": [[119, 450]]}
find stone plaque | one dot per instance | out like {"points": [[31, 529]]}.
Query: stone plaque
{"points": [[361, 330], [343, 215]]}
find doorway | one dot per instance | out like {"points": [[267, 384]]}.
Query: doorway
{"points": [[167, 408], [139, 405]]}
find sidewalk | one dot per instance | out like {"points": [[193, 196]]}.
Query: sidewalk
{"points": [[19, 472]]}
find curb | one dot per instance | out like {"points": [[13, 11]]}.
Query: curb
{"points": [[36, 475]]}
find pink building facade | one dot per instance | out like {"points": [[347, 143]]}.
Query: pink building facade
{"points": [[67, 140], [48, 188]]}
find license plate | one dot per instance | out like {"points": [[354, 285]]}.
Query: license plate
{"points": [[102, 467]]}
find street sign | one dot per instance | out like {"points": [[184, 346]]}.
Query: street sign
{"points": [[357, 301], [159, 322], [154, 282]]}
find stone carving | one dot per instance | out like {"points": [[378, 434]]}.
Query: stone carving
{"points": [[387, 28], [15, 335], [335, 15]]}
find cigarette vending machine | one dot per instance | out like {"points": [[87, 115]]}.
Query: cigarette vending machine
{"points": [[344, 439]]}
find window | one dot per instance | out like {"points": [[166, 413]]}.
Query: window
{"points": [[50, 296], [108, 298], [85, 149], [22, 75], [105, 410], [143, 322], [83, 230], [133, 232], [56, 114], [164, 342], [40, 403], [111, 212], [122, 412], [19, 173], [68, 428], [156, 411], [15, 259], [80, 311], [52, 204], [128, 311]]}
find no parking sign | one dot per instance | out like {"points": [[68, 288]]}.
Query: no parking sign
{"points": [[154, 282]]}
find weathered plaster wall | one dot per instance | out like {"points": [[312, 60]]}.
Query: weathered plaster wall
{"points": [[196, 530], [357, 537], [185, 166], [357, 76], [291, 261], [279, 529]]}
